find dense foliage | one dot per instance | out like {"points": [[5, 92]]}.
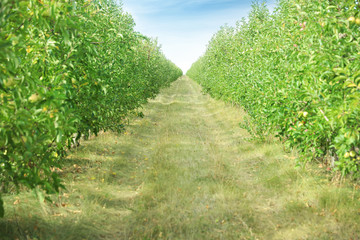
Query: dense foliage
{"points": [[68, 69], [297, 73]]}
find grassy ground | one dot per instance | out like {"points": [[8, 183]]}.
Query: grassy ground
{"points": [[187, 171]]}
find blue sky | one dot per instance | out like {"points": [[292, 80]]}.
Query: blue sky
{"points": [[184, 27]]}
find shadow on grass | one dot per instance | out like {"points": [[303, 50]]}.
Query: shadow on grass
{"points": [[100, 187], [40, 228], [88, 211]]}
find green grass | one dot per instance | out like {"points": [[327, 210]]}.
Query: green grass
{"points": [[187, 171]]}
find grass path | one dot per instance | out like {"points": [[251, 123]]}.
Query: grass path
{"points": [[186, 171]]}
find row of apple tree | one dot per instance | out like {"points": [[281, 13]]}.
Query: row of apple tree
{"points": [[296, 72], [68, 68]]}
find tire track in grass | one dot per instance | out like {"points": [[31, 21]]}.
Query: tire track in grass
{"points": [[187, 190]]}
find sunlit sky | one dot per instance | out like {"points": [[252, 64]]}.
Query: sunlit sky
{"points": [[184, 27]]}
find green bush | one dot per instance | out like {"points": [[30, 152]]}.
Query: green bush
{"points": [[297, 74], [68, 69]]}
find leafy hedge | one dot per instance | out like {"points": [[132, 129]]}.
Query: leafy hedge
{"points": [[297, 73], [67, 68]]}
